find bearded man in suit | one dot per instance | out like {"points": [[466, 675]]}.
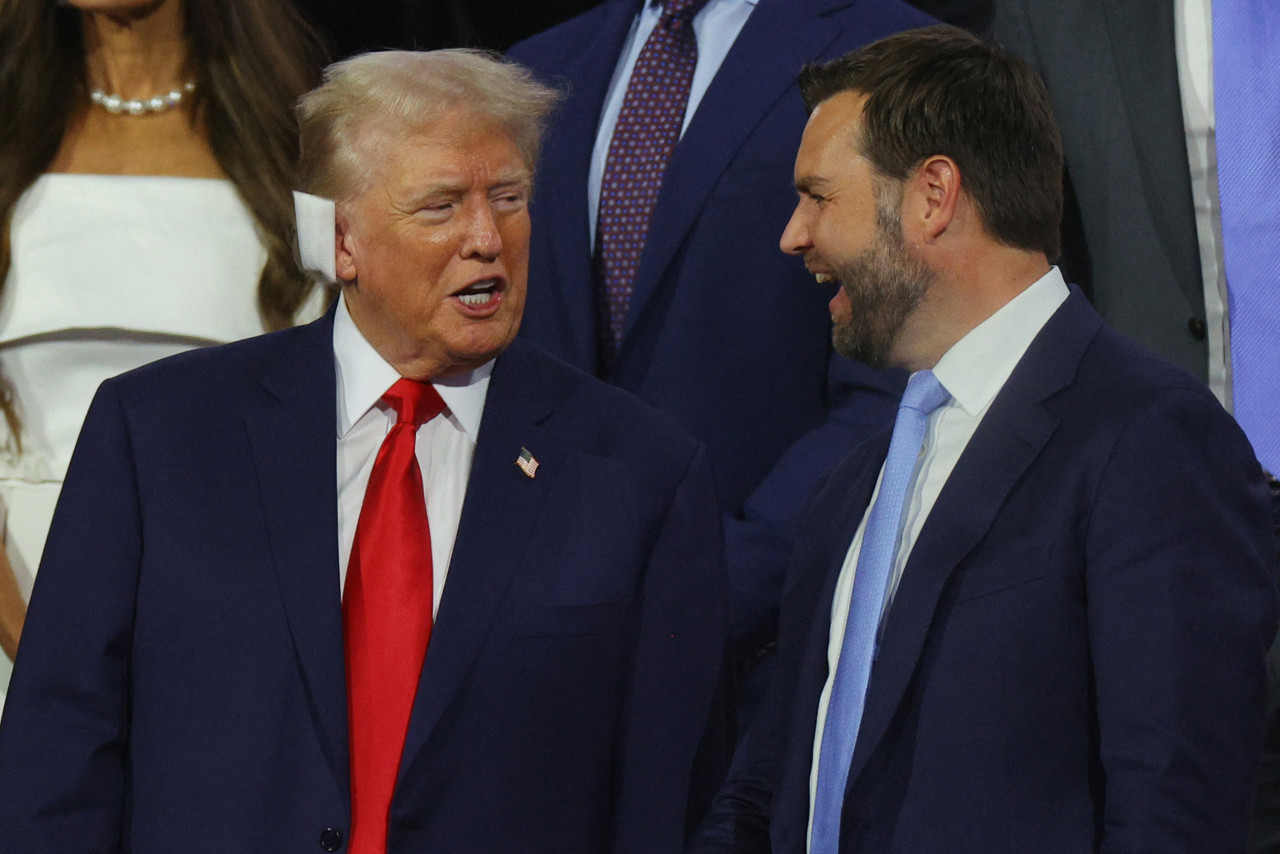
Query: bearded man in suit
{"points": [[1033, 616]]}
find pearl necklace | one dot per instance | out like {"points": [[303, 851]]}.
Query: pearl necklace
{"points": [[116, 105]]}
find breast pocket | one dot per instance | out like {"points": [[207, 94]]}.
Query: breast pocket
{"points": [[602, 618], [990, 573]]}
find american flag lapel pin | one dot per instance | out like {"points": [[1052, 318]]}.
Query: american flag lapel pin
{"points": [[526, 463]]}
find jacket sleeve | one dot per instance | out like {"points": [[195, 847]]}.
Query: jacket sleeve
{"points": [[677, 664], [1181, 597], [64, 737], [861, 402], [741, 814]]}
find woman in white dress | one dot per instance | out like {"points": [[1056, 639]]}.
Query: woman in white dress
{"points": [[147, 150]]}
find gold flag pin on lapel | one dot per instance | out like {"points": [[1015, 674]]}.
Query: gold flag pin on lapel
{"points": [[526, 463]]}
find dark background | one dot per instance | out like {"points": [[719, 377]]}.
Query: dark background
{"points": [[352, 26]]}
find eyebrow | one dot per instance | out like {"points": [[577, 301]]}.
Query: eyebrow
{"points": [[450, 189], [433, 193], [521, 176], [810, 185]]}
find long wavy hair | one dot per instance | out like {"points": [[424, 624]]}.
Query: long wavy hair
{"points": [[250, 60]]}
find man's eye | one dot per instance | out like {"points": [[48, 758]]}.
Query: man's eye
{"points": [[512, 199]]}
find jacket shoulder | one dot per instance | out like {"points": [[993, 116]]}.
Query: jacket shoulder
{"points": [[550, 50], [1130, 377], [607, 412], [865, 21], [209, 377]]}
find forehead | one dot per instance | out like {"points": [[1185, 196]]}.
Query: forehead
{"points": [[828, 144]]}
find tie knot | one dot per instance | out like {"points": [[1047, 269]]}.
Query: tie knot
{"points": [[924, 393], [677, 13], [414, 402]]}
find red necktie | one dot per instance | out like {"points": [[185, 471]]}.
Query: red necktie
{"points": [[386, 614]]}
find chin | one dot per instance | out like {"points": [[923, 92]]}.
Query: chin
{"points": [[470, 358]]}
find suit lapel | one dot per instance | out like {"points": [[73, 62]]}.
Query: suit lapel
{"points": [[1143, 47], [563, 172], [1010, 437], [499, 514], [775, 42], [294, 445]]}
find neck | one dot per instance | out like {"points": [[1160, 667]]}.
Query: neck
{"points": [[980, 283], [136, 53]]}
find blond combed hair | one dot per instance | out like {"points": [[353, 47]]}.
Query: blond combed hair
{"points": [[411, 89]]}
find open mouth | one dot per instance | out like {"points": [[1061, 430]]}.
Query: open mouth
{"points": [[477, 296], [823, 276]]}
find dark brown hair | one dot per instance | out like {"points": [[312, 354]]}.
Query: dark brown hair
{"points": [[942, 91], [251, 59]]}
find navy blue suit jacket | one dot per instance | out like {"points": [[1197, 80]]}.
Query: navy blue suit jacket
{"points": [[1074, 658], [181, 681], [725, 333]]}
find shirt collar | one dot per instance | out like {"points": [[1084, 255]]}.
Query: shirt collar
{"points": [[364, 376], [978, 365]]}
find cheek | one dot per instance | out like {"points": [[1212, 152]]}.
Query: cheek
{"points": [[515, 305], [515, 242], [841, 238], [416, 273], [828, 240], [515, 239]]}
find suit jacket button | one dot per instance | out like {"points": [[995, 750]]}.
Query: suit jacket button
{"points": [[1197, 328], [331, 839]]}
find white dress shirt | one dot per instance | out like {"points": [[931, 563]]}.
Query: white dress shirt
{"points": [[715, 28], [973, 371], [1193, 29], [445, 446]]}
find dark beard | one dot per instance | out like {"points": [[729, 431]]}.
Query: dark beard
{"points": [[884, 284]]}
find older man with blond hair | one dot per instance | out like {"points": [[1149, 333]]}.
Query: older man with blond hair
{"points": [[390, 582]]}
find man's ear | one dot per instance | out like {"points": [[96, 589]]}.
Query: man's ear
{"points": [[932, 194], [345, 244]]}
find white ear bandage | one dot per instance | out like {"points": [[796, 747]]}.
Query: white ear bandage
{"points": [[317, 234]]}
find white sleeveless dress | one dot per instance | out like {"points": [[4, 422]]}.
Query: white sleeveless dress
{"points": [[109, 272]]}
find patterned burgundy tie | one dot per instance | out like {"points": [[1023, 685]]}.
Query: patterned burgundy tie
{"points": [[386, 613], [647, 130]]}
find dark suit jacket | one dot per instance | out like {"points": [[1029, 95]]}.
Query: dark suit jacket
{"points": [[1074, 658], [1130, 239], [724, 333], [974, 15], [180, 685]]}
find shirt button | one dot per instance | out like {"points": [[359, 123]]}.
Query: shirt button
{"points": [[331, 839], [1197, 328]]}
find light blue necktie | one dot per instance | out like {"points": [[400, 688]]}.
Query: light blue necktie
{"points": [[875, 566], [1246, 91]]}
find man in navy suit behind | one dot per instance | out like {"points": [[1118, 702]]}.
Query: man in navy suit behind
{"points": [[723, 333], [1033, 617], [286, 608]]}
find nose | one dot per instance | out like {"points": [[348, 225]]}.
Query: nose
{"points": [[796, 239], [483, 238]]}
